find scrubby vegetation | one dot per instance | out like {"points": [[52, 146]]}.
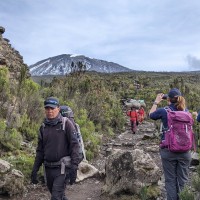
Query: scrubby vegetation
{"points": [[94, 98]]}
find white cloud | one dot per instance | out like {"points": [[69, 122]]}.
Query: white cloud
{"points": [[151, 35]]}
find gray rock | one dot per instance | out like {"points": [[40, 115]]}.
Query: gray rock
{"points": [[7, 40], [195, 159], [85, 170], [2, 60], [148, 136], [12, 180], [2, 29], [130, 171], [4, 166]]}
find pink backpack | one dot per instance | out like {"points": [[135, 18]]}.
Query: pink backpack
{"points": [[179, 137]]}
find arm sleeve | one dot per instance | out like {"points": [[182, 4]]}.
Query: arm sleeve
{"points": [[157, 114], [73, 143], [198, 117], [39, 153]]}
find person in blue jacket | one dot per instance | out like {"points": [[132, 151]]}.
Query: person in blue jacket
{"points": [[197, 114], [198, 117], [175, 165]]}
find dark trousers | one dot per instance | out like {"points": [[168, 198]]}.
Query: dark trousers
{"points": [[176, 169], [133, 126], [56, 183]]}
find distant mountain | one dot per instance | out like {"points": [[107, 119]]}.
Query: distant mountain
{"points": [[61, 65]]}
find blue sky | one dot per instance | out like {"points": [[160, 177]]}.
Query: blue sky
{"points": [[154, 35]]}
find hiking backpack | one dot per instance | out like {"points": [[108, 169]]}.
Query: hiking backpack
{"points": [[179, 137], [67, 113]]}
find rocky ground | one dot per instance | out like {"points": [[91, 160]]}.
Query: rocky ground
{"points": [[92, 188]]}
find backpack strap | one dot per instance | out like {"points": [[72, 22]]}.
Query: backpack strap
{"points": [[64, 120], [167, 108]]}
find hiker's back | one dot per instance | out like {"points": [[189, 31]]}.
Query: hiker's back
{"points": [[179, 137], [176, 140], [132, 114]]}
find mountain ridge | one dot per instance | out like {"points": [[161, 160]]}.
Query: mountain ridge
{"points": [[61, 65]]}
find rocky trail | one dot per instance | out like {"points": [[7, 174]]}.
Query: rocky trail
{"points": [[92, 188]]}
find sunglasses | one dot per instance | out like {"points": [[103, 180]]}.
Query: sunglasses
{"points": [[47, 108]]}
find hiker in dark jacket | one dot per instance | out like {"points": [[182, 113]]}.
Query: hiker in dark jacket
{"points": [[57, 150], [197, 115], [175, 165]]}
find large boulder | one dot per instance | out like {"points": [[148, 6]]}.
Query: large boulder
{"points": [[11, 180], [130, 171]]}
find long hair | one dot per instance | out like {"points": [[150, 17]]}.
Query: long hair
{"points": [[179, 102]]}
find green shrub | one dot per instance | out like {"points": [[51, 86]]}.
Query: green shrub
{"points": [[23, 163], [29, 129], [11, 140], [89, 154], [186, 194], [153, 192], [198, 170], [150, 192], [143, 193], [90, 138], [196, 183], [4, 91], [2, 127]]}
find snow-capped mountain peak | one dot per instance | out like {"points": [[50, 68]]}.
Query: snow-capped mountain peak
{"points": [[61, 65]]}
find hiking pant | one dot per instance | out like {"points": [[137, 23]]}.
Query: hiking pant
{"points": [[56, 183], [176, 169], [133, 126]]}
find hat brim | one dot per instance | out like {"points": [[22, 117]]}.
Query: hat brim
{"points": [[50, 105]]}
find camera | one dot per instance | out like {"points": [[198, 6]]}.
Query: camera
{"points": [[165, 96]]}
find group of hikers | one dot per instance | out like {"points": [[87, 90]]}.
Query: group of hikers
{"points": [[136, 117], [58, 148]]}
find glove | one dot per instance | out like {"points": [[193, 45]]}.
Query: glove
{"points": [[72, 175], [34, 178]]}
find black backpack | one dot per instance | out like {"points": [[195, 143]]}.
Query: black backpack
{"points": [[67, 113]]}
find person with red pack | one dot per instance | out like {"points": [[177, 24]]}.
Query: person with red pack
{"points": [[133, 119], [141, 114]]}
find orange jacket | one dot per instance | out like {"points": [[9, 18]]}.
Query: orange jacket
{"points": [[133, 115], [141, 112]]}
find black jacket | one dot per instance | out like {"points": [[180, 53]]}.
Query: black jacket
{"points": [[55, 143]]}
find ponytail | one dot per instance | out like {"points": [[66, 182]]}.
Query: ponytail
{"points": [[180, 103]]}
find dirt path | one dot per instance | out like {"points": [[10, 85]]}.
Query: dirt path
{"points": [[90, 189]]}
